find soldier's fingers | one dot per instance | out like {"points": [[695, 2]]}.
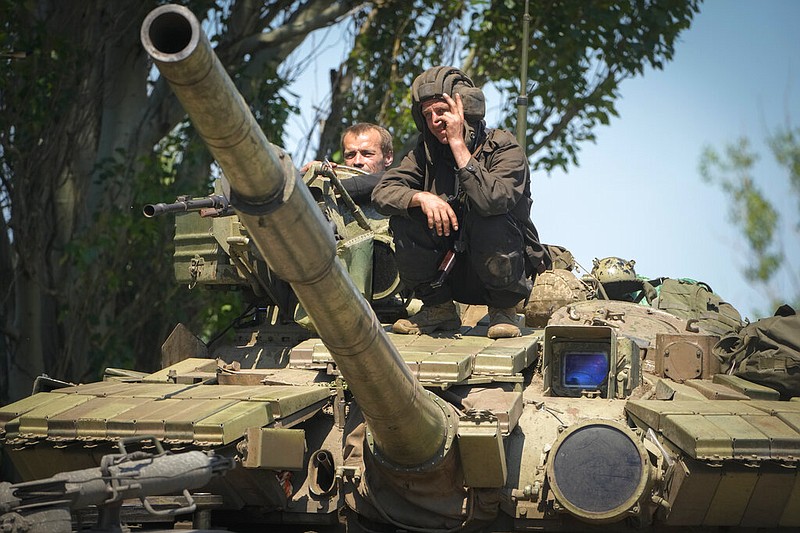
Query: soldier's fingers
{"points": [[453, 220], [450, 102], [431, 221], [438, 224]]}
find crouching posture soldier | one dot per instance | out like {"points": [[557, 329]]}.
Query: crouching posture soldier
{"points": [[460, 210]]}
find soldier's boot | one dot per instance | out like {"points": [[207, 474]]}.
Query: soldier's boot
{"points": [[503, 323], [429, 319]]}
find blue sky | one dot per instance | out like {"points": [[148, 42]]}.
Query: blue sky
{"points": [[637, 192]]}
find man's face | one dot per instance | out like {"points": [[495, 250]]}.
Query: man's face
{"points": [[364, 151], [433, 111]]}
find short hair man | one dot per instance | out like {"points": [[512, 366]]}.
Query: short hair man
{"points": [[464, 188], [367, 147]]}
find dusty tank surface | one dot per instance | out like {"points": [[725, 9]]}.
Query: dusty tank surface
{"points": [[603, 416]]}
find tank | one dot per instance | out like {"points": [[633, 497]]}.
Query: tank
{"points": [[604, 415]]}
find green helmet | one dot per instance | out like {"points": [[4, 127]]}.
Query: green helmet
{"points": [[617, 276], [613, 269]]}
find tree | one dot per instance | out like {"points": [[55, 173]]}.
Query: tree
{"points": [[89, 280], [579, 54], [752, 212], [90, 134]]}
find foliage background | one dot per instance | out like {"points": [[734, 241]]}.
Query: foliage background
{"points": [[89, 134]]}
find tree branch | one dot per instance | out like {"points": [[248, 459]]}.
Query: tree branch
{"points": [[575, 107], [317, 14]]}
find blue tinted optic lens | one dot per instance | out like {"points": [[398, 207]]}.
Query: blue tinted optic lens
{"points": [[585, 369]]}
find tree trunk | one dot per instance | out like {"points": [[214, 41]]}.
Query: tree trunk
{"points": [[27, 360], [89, 280]]}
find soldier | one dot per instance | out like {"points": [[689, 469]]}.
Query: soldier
{"points": [[462, 194], [367, 147]]}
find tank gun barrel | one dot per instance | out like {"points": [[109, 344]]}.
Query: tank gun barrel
{"points": [[407, 425]]}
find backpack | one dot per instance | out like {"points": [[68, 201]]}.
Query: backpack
{"points": [[689, 299], [766, 352]]}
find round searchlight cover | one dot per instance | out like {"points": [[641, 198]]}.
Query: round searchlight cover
{"points": [[598, 470]]}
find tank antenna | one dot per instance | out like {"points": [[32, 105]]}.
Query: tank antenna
{"points": [[522, 99]]}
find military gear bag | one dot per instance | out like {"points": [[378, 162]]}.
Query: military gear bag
{"points": [[693, 300], [766, 352]]}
